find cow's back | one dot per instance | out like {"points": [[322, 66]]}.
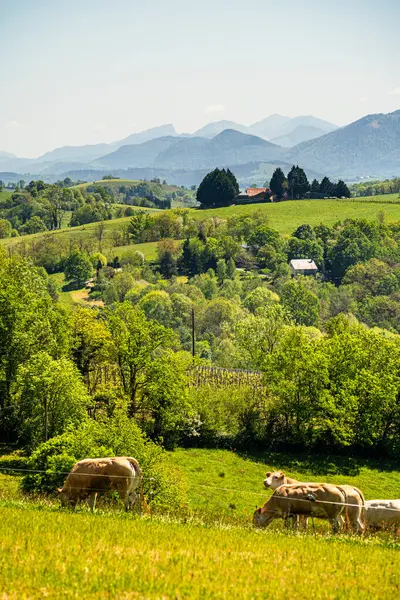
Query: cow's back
{"points": [[99, 474], [382, 512], [318, 499]]}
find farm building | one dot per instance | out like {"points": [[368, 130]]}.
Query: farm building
{"points": [[253, 195], [303, 266]]}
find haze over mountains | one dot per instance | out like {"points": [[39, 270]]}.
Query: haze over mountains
{"points": [[367, 147]]}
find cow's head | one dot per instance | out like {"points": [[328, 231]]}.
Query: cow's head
{"points": [[274, 479], [65, 498], [262, 518]]}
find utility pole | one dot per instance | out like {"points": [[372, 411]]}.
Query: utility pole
{"points": [[193, 340], [45, 419]]}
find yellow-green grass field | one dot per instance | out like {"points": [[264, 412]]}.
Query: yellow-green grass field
{"points": [[47, 552], [116, 183], [55, 554], [229, 485], [286, 216], [77, 233], [4, 194], [69, 298], [149, 250]]}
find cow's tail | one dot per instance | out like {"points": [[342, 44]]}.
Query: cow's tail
{"points": [[143, 503], [346, 508], [363, 509]]}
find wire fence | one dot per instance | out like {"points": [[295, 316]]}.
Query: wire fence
{"points": [[199, 486]]}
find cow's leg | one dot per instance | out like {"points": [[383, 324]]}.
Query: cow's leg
{"points": [[360, 525], [130, 500], [354, 518], [303, 521], [335, 522], [286, 520], [92, 501], [124, 497], [293, 520]]}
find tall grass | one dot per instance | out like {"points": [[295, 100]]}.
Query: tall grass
{"points": [[56, 554], [210, 551]]}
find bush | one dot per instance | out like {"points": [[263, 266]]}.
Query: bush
{"points": [[163, 485], [222, 412]]}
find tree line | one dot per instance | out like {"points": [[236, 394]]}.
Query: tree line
{"points": [[220, 187], [39, 207]]}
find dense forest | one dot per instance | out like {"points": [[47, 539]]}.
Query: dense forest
{"points": [[39, 207], [373, 188], [326, 346]]}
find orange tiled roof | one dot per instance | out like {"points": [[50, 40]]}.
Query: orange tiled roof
{"points": [[256, 191]]}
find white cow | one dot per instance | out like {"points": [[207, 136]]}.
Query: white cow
{"points": [[382, 514]]}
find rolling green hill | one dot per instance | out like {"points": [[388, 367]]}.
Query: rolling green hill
{"points": [[113, 184], [285, 217], [4, 194]]}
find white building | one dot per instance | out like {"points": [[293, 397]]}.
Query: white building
{"points": [[303, 266]]}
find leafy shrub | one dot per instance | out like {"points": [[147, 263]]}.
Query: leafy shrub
{"points": [[163, 486], [222, 412]]}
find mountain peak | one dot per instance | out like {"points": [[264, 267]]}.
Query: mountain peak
{"points": [[148, 134]]}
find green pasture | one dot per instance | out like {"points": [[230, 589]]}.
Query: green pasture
{"points": [[4, 194], [77, 233], [56, 554], [116, 183], [149, 250], [229, 485], [48, 552], [286, 216]]}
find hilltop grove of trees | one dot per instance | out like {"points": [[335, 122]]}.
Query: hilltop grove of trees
{"points": [[220, 187]]}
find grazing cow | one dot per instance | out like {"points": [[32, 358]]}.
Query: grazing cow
{"points": [[273, 480], [382, 514], [93, 476], [354, 500], [320, 500]]}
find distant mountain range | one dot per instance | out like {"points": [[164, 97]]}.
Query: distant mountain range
{"points": [[272, 128], [367, 147]]}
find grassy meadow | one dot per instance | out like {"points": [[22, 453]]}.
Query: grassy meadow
{"points": [[4, 194], [210, 551], [229, 485], [285, 217], [53, 554], [116, 183]]}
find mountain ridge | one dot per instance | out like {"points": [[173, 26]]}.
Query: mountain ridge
{"points": [[367, 147]]}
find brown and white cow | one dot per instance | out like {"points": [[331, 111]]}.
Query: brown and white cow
{"points": [[93, 476], [321, 500], [354, 500], [383, 514]]}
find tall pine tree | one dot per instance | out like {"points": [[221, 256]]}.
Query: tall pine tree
{"points": [[297, 183], [341, 190], [326, 187], [314, 186], [277, 183], [218, 188]]}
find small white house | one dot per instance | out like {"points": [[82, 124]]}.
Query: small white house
{"points": [[303, 266]]}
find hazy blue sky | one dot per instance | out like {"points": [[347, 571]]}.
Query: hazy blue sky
{"points": [[88, 71]]}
